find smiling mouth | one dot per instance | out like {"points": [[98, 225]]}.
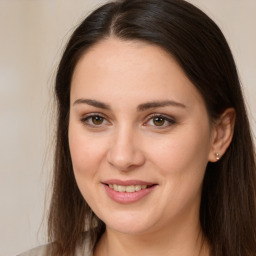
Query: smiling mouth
{"points": [[128, 189], [126, 192]]}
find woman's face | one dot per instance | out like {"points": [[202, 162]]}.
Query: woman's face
{"points": [[139, 137]]}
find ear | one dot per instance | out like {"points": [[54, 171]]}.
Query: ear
{"points": [[222, 134]]}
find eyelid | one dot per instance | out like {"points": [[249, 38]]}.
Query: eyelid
{"points": [[171, 121], [85, 117]]}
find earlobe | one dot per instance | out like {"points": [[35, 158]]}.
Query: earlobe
{"points": [[223, 130]]}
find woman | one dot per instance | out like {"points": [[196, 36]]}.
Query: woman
{"points": [[154, 154]]}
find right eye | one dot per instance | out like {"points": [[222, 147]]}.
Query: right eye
{"points": [[94, 120]]}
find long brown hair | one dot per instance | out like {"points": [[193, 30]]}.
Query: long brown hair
{"points": [[228, 205]]}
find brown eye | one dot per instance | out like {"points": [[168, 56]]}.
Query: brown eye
{"points": [[97, 120], [158, 121], [94, 120]]}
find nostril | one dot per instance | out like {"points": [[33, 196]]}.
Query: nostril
{"points": [[125, 159]]}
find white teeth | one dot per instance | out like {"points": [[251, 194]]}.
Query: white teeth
{"points": [[128, 189], [121, 188], [137, 187]]}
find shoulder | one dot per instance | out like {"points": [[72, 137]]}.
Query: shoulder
{"points": [[44, 250], [38, 251]]}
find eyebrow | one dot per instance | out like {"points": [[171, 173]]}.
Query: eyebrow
{"points": [[157, 104], [141, 107], [93, 103]]}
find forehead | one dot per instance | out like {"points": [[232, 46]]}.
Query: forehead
{"points": [[114, 66], [128, 54]]}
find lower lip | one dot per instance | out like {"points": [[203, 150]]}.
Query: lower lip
{"points": [[125, 197]]}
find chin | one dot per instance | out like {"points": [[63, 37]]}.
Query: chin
{"points": [[129, 224], [128, 229]]}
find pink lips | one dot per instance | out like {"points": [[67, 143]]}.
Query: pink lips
{"points": [[126, 197]]}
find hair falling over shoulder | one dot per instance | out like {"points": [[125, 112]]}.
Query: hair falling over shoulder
{"points": [[228, 203]]}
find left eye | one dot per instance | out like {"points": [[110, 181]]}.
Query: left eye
{"points": [[94, 120], [160, 121], [97, 120]]}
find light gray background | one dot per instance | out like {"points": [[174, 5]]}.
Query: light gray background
{"points": [[32, 36]]}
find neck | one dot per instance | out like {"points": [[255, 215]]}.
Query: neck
{"points": [[187, 241]]}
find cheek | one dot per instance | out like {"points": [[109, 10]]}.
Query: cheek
{"points": [[191, 144], [181, 163], [86, 151], [182, 156], [86, 154]]}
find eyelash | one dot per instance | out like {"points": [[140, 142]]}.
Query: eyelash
{"points": [[170, 121], [87, 120]]}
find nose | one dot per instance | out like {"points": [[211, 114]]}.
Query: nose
{"points": [[125, 151]]}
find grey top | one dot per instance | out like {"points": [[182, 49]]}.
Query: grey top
{"points": [[42, 250]]}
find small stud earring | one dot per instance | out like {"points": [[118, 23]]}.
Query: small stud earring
{"points": [[217, 156]]}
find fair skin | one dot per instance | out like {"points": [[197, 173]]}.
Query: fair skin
{"points": [[136, 119]]}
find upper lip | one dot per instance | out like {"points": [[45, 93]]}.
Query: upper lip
{"points": [[127, 182]]}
